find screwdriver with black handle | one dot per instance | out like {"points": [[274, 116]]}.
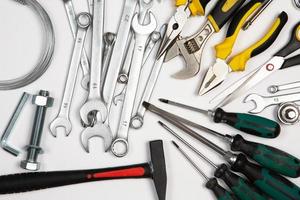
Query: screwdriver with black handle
{"points": [[212, 183], [271, 183], [251, 124], [267, 156], [241, 187]]}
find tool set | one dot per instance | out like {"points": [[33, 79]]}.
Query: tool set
{"points": [[113, 78]]}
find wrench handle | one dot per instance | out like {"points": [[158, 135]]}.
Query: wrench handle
{"points": [[16, 183], [251, 124]]}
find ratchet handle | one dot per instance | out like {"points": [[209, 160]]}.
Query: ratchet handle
{"points": [[220, 193], [291, 62], [16, 183], [294, 43], [224, 49], [242, 188], [238, 63], [267, 181], [222, 12], [269, 157], [251, 124]]}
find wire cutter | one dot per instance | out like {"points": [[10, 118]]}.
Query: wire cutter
{"points": [[185, 8], [217, 73], [191, 48]]}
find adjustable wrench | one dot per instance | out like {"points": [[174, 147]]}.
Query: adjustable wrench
{"points": [[262, 102], [84, 59], [120, 145], [94, 101], [62, 120]]}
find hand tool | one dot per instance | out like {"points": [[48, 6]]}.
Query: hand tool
{"points": [[120, 145], [4, 139], [277, 62], [46, 53], [191, 48], [62, 119], [241, 187], [254, 17], [109, 40], [94, 101], [154, 38], [137, 120], [217, 73], [262, 102], [269, 157], [297, 3], [91, 6], [155, 169], [271, 183], [42, 101], [251, 124], [288, 113], [118, 52], [185, 8], [211, 183], [278, 88], [84, 61]]}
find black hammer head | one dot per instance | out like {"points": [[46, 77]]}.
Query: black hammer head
{"points": [[159, 173]]}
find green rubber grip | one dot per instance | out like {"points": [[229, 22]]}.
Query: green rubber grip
{"points": [[269, 157], [223, 11], [274, 185], [241, 187], [251, 124], [219, 191]]}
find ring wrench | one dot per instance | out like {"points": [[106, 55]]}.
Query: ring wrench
{"points": [[70, 11], [276, 88], [120, 145], [62, 120], [262, 102], [94, 101]]}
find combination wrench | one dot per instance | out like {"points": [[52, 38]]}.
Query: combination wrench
{"points": [[70, 11], [262, 102], [62, 120], [94, 101], [142, 32], [277, 88]]}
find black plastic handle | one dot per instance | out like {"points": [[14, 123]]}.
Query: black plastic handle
{"points": [[16, 183], [219, 191]]}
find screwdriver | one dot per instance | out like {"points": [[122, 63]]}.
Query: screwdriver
{"points": [[251, 124], [274, 185], [241, 187], [212, 183], [269, 157]]}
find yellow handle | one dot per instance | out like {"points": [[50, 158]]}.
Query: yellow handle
{"points": [[195, 6], [224, 49]]}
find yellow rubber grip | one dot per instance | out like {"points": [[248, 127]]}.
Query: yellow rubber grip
{"points": [[195, 6], [224, 49], [238, 63]]}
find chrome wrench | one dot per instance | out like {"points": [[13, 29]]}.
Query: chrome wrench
{"points": [[70, 11], [109, 42], [91, 6], [120, 145], [62, 120], [276, 88], [94, 101]]}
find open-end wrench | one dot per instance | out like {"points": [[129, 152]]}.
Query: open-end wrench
{"points": [[109, 42], [94, 101], [277, 88], [262, 102], [84, 59], [62, 120], [120, 145]]}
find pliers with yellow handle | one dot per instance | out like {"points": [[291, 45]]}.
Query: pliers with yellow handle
{"points": [[185, 8], [217, 73]]}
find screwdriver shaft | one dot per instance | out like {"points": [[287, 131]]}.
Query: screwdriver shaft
{"points": [[181, 105]]}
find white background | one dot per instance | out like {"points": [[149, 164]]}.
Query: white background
{"points": [[21, 38]]}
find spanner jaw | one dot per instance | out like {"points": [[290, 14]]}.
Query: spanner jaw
{"points": [[93, 105], [258, 101], [60, 122]]}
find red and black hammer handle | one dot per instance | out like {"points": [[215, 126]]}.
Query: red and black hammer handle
{"points": [[16, 183]]}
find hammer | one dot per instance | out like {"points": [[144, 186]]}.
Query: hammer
{"points": [[155, 169]]}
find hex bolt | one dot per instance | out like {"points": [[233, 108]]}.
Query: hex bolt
{"points": [[42, 101]]}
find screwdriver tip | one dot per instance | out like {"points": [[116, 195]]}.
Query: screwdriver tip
{"points": [[163, 100], [146, 104]]}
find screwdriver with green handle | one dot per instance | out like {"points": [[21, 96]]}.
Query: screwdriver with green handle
{"points": [[271, 183], [241, 187], [251, 124], [267, 156], [212, 183]]}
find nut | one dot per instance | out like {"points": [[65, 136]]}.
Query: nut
{"points": [[42, 101], [30, 165]]}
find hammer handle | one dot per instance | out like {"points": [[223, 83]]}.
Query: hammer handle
{"points": [[24, 182]]}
